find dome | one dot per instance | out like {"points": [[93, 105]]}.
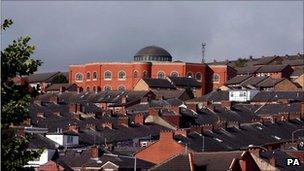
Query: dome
{"points": [[152, 53]]}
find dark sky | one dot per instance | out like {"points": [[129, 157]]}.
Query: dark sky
{"points": [[78, 32]]}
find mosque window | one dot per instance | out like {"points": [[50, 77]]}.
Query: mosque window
{"points": [[189, 74], [88, 76], [198, 76], [107, 75], [174, 74], [94, 75], [136, 74], [121, 75], [216, 77], [145, 74], [121, 88], [79, 77], [107, 88], [161, 75]]}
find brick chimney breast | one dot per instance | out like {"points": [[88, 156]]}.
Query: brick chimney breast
{"points": [[139, 119], [166, 136], [94, 152]]}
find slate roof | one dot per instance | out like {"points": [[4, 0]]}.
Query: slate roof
{"points": [[253, 81], [237, 79], [264, 96], [248, 70], [158, 83], [296, 62], [177, 162], [298, 71], [67, 86], [234, 138], [270, 82], [169, 94], [265, 60], [42, 77], [81, 157], [185, 82], [275, 109], [280, 159], [215, 96], [38, 141], [272, 68]]}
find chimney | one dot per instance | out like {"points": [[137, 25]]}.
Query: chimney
{"points": [[73, 128], [79, 107], [79, 90], [123, 120], [72, 108], [94, 152], [192, 106], [107, 125], [272, 161], [61, 89], [139, 119], [91, 126], [153, 112], [226, 104], [181, 131], [166, 136]]}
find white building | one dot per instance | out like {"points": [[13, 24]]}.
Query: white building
{"points": [[242, 95], [67, 139]]}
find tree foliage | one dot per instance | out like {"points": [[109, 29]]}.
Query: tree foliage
{"points": [[60, 78], [16, 61], [241, 62]]}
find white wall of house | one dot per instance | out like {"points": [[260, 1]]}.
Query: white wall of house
{"points": [[242, 95], [46, 155], [64, 139]]}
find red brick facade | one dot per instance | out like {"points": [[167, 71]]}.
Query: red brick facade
{"points": [[126, 75], [217, 75]]}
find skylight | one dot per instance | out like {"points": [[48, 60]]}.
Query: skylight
{"points": [[219, 140], [276, 137]]}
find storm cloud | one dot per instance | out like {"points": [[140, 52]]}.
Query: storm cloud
{"points": [[80, 32]]}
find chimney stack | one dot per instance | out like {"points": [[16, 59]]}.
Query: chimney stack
{"points": [[139, 119], [166, 136], [61, 89], [94, 152], [123, 120], [107, 125]]}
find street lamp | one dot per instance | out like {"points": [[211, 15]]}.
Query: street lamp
{"points": [[293, 132], [125, 156]]}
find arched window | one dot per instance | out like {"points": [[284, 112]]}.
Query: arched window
{"points": [[95, 75], [108, 75], [174, 74], [107, 88], [161, 75], [88, 88], [216, 77], [121, 75], [136, 74], [145, 74], [121, 88], [189, 74], [198, 76], [88, 76], [94, 88], [79, 77]]}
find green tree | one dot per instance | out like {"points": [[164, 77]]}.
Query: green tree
{"points": [[16, 61], [60, 78], [241, 62]]}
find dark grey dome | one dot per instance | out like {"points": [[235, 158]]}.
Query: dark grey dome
{"points": [[152, 53]]}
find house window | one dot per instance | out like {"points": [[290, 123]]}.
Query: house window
{"points": [[88, 76], [135, 74], [94, 75], [145, 74], [190, 74], [107, 88], [79, 77], [198, 76], [121, 88], [121, 75], [216, 78], [161, 75], [107, 75], [69, 139], [174, 74]]}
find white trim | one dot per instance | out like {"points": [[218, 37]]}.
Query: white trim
{"points": [[123, 72], [81, 77], [93, 76], [104, 75], [88, 72], [162, 72], [110, 163], [199, 80], [174, 72], [121, 85]]}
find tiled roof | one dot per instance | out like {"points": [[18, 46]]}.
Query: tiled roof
{"points": [[215, 96], [298, 71], [184, 82], [169, 94], [38, 141], [264, 96], [253, 81], [67, 86], [272, 68], [158, 83], [269, 82], [295, 62], [177, 162], [248, 70], [42, 77], [265, 60], [238, 79]]}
